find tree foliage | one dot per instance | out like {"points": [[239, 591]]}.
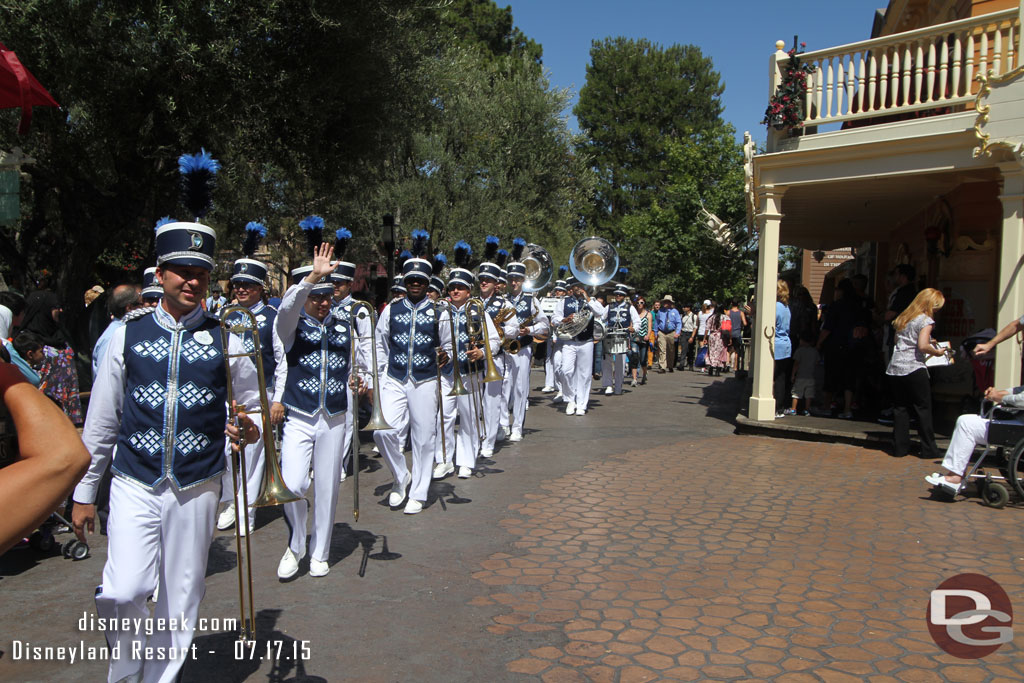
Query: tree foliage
{"points": [[637, 97]]}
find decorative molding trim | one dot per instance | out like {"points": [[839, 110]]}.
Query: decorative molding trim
{"points": [[986, 145]]}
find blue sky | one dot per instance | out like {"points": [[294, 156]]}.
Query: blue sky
{"points": [[738, 35]]}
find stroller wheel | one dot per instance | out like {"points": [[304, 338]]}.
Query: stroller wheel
{"points": [[68, 547], [80, 551], [994, 495]]}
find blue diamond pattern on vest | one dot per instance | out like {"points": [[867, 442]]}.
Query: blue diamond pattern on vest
{"points": [[463, 356], [149, 441], [463, 338], [156, 349], [338, 338], [310, 360], [152, 395], [334, 386], [522, 305], [425, 317], [311, 385], [402, 338], [248, 344], [423, 338], [403, 318], [192, 351], [401, 358], [188, 441], [311, 335], [192, 394], [335, 361], [419, 360]]}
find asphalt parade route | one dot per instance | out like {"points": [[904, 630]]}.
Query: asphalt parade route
{"points": [[641, 541]]}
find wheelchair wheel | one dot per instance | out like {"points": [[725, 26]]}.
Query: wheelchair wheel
{"points": [[994, 495], [1015, 468]]}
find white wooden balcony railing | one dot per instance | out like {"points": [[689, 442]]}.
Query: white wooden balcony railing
{"points": [[930, 68]]}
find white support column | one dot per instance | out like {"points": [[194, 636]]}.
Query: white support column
{"points": [[1010, 303], [769, 218]]}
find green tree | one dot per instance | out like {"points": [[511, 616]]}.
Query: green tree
{"points": [[668, 247], [484, 25], [637, 96]]}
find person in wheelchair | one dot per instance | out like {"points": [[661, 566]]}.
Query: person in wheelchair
{"points": [[972, 431]]}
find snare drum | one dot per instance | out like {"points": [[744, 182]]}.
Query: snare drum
{"points": [[616, 342]]}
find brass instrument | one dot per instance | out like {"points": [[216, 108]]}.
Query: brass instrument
{"points": [[500, 317], [539, 268], [513, 346], [274, 491], [457, 386], [491, 373], [594, 261], [377, 420]]}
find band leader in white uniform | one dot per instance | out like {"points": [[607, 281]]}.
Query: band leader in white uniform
{"points": [[318, 347], [578, 352], [157, 417], [621, 316], [411, 340]]}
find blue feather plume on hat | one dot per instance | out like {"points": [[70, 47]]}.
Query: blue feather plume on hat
{"points": [[491, 247], [341, 240], [420, 240], [462, 253], [254, 232], [164, 221], [623, 271], [518, 244], [501, 258], [312, 228], [403, 257], [562, 271], [198, 172], [440, 261]]}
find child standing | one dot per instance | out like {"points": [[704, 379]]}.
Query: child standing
{"points": [[805, 360]]}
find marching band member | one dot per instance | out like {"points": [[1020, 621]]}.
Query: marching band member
{"points": [[341, 279], [578, 353], [248, 279], [317, 349], [411, 341], [470, 358], [444, 448], [157, 418], [531, 321], [620, 316], [152, 292], [553, 361], [488, 277]]}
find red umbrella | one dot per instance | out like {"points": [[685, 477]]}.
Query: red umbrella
{"points": [[20, 89]]}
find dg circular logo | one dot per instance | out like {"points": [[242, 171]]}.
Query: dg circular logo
{"points": [[970, 616]]}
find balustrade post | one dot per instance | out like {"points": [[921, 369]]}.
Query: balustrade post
{"points": [[776, 63]]}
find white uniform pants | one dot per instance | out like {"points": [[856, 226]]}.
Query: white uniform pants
{"points": [[507, 383], [560, 383], [155, 537], [412, 410], [469, 422], [448, 408], [346, 445], [315, 440], [493, 392], [612, 370], [578, 369], [549, 366], [520, 384], [254, 465]]}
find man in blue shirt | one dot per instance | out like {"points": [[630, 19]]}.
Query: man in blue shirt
{"points": [[669, 325], [125, 298]]}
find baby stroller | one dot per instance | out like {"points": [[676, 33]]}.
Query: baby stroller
{"points": [[42, 539]]}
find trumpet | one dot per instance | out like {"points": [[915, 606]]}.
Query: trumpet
{"points": [[377, 420], [274, 491]]}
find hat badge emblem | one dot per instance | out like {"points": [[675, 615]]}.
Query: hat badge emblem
{"points": [[244, 268], [197, 240]]}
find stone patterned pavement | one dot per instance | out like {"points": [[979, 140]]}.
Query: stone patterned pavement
{"points": [[744, 558]]}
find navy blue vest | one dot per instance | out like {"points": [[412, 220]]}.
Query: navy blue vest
{"points": [[318, 365], [461, 344], [265, 316], [495, 304], [175, 403], [412, 339], [618, 316], [571, 305], [524, 309]]}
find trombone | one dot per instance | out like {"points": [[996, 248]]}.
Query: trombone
{"points": [[377, 420], [458, 388], [274, 491], [476, 329]]}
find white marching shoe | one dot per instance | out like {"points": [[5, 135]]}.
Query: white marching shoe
{"points": [[398, 491], [580, 410], [517, 435], [508, 430], [226, 519], [343, 476], [443, 469], [570, 409], [547, 389], [558, 398], [318, 568], [288, 566], [412, 507], [608, 391], [486, 452], [465, 472]]}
